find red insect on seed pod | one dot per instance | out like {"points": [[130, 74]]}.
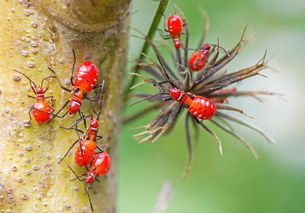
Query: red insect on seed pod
{"points": [[199, 58], [175, 27], [42, 109], [99, 167], [83, 83], [200, 107], [202, 94]]}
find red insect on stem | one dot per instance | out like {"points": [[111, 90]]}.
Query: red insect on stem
{"points": [[85, 152], [83, 83], [42, 109], [99, 167], [175, 27]]}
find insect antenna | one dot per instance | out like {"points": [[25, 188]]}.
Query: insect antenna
{"points": [[32, 82], [73, 144], [148, 97], [77, 177], [162, 61], [100, 101], [89, 198], [46, 79]]}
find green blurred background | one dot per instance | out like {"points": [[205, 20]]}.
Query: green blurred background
{"points": [[235, 182]]}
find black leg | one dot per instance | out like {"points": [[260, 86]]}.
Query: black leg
{"points": [[90, 98], [73, 67], [71, 128], [31, 96], [89, 198], [79, 139], [99, 148], [73, 144], [74, 172], [56, 114], [62, 86], [30, 115]]}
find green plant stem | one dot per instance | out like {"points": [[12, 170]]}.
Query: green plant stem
{"points": [[151, 33]]}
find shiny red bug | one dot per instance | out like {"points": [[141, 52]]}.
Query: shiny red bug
{"points": [[83, 83], [199, 58], [85, 152], [42, 109], [174, 28], [200, 107], [99, 167]]}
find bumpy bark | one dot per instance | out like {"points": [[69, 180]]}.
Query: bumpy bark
{"points": [[34, 35]]}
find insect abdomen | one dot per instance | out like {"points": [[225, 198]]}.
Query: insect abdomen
{"points": [[202, 108], [86, 76]]}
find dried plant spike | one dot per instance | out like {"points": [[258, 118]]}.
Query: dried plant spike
{"points": [[248, 146], [215, 136], [228, 117], [201, 89]]}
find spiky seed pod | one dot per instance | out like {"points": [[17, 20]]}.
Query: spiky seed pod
{"points": [[211, 82]]}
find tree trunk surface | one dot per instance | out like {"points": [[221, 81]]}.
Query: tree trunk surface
{"points": [[35, 35]]}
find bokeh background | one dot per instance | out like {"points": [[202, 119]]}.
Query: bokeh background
{"points": [[235, 182]]}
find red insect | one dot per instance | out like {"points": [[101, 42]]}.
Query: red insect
{"points": [[84, 80], [199, 58], [42, 109], [175, 27], [83, 83], [85, 152], [99, 167], [200, 107], [219, 92]]}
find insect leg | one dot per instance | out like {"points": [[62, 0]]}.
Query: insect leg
{"points": [[62, 86], [73, 144]]}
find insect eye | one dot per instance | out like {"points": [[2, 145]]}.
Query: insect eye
{"points": [[76, 91]]}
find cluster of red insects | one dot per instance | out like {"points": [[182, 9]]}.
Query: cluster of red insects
{"points": [[197, 83], [86, 154]]}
